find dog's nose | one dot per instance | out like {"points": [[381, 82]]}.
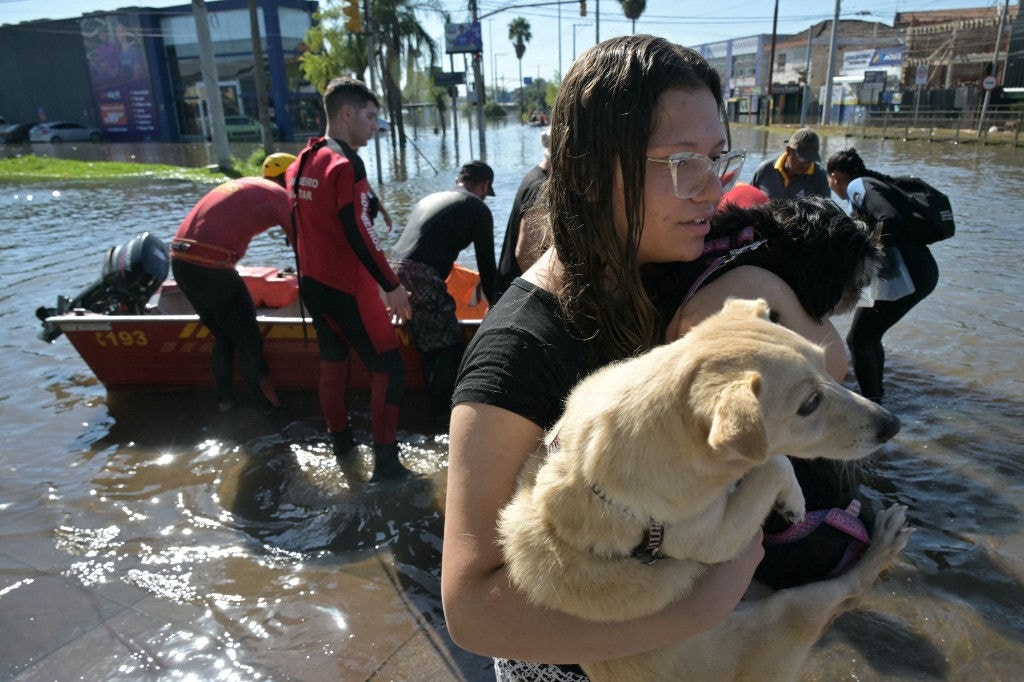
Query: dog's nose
{"points": [[888, 426]]}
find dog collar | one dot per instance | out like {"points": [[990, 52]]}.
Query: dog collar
{"points": [[649, 549]]}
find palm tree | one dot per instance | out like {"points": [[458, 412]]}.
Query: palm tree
{"points": [[519, 34], [633, 9], [399, 36]]}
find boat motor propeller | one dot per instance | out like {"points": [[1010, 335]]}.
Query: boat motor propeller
{"points": [[132, 272]]}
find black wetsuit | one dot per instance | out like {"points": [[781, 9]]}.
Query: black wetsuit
{"points": [[441, 225]]}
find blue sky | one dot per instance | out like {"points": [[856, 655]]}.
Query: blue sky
{"points": [[685, 21]]}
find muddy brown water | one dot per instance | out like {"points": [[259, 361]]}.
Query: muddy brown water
{"points": [[144, 536]]}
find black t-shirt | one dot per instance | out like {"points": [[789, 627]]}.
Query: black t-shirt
{"points": [[524, 358], [526, 195]]}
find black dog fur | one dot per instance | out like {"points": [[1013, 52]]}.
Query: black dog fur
{"points": [[826, 257]]}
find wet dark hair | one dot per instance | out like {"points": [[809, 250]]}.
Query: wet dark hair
{"points": [[344, 90], [848, 161], [602, 121]]}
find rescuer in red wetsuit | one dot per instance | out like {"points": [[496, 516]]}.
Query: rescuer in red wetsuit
{"points": [[209, 242], [341, 265]]}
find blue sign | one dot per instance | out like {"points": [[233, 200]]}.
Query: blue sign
{"points": [[443, 78], [892, 56], [527, 80]]}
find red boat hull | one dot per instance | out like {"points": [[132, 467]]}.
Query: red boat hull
{"points": [[142, 351], [165, 349]]}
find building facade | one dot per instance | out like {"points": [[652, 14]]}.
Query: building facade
{"points": [[135, 73], [875, 64]]}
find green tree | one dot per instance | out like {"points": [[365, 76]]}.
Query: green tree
{"points": [[398, 39], [332, 49], [633, 9], [519, 33]]}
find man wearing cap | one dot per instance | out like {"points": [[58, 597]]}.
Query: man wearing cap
{"points": [[440, 226], [797, 172], [209, 242]]}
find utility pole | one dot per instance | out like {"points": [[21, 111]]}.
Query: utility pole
{"points": [[771, 67], [259, 75], [370, 62], [826, 114], [208, 67], [478, 85], [806, 103], [995, 67]]}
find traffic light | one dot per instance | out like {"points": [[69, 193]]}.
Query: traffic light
{"points": [[583, 8], [353, 19]]}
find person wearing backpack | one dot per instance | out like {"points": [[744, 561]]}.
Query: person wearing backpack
{"points": [[877, 201]]}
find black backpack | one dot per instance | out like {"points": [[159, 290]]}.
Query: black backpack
{"points": [[926, 212]]}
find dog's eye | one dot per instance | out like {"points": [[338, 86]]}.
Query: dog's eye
{"points": [[810, 405]]}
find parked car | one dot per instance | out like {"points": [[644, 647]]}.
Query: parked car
{"points": [[63, 131], [246, 128], [16, 132]]}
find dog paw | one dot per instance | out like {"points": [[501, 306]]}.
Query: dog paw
{"points": [[891, 530], [790, 504]]}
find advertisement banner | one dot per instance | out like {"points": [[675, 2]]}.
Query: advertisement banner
{"points": [[120, 77], [463, 37]]}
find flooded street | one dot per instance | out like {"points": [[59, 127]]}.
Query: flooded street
{"points": [[146, 536]]}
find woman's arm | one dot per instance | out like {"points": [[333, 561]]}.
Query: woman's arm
{"points": [[749, 281], [486, 615]]}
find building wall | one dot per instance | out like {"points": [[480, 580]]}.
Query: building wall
{"points": [[45, 74], [956, 45], [52, 69]]}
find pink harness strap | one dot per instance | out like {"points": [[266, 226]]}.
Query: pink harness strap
{"points": [[845, 520], [742, 241]]}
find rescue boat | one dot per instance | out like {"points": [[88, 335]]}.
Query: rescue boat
{"points": [[135, 329]]}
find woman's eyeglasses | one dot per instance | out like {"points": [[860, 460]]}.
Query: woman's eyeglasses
{"points": [[691, 171]]}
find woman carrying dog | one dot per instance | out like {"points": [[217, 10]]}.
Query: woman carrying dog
{"points": [[639, 158], [876, 203]]}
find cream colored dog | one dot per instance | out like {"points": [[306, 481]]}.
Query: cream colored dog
{"points": [[686, 442]]}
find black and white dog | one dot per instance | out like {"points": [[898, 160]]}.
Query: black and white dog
{"points": [[827, 258]]}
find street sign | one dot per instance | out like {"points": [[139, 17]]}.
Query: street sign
{"points": [[989, 83], [443, 78], [921, 77]]}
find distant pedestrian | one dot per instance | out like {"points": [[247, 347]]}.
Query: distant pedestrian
{"points": [[797, 172], [524, 240], [440, 226], [208, 244], [878, 204]]}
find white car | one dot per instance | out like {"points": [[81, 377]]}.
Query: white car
{"points": [[64, 131]]}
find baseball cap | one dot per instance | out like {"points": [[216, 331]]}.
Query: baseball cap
{"points": [[476, 171], [806, 145]]}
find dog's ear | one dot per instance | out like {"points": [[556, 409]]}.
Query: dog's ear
{"points": [[753, 307], [737, 424]]}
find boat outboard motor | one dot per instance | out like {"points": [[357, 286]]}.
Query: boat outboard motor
{"points": [[132, 272]]}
